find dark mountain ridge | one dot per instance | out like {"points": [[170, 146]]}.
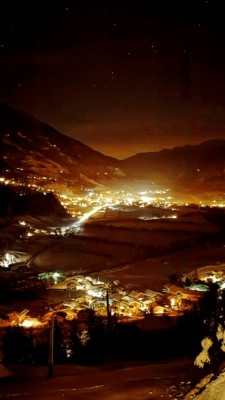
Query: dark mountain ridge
{"points": [[30, 148], [36, 155], [200, 167], [208, 148]]}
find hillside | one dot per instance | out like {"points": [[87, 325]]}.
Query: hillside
{"points": [[32, 203], [197, 167], [36, 154]]}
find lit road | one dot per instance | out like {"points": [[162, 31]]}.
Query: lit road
{"points": [[89, 214]]}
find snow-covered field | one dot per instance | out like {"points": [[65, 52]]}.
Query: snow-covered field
{"points": [[154, 272]]}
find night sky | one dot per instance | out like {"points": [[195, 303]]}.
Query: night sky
{"points": [[121, 76]]}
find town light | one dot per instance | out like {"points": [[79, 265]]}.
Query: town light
{"points": [[173, 303], [30, 323], [95, 293], [7, 260], [23, 223]]}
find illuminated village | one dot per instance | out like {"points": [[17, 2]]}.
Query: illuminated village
{"points": [[80, 204], [120, 301], [125, 301]]}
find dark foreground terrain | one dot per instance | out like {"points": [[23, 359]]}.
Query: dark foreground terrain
{"points": [[134, 381]]}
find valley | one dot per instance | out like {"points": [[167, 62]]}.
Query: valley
{"points": [[110, 251]]}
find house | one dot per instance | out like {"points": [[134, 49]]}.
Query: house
{"points": [[141, 297], [134, 294], [158, 310], [117, 296], [184, 293], [148, 302], [126, 298], [151, 293]]}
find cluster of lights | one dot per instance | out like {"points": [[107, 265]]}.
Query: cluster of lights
{"points": [[7, 259], [82, 205], [131, 304], [92, 200], [30, 323]]}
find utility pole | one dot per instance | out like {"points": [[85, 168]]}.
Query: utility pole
{"points": [[51, 348], [107, 307]]}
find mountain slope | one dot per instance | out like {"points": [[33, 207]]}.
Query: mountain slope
{"points": [[34, 153], [200, 167]]}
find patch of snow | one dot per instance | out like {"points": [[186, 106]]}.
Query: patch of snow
{"points": [[212, 389], [203, 357], [220, 334]]}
